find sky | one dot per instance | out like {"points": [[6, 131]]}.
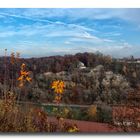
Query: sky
{"points": [[45, 32]]}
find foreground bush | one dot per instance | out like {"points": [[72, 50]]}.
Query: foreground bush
{"points": [[16, 118]]}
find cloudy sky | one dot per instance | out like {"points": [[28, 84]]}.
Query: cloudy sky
{"points": [[45, 32]]}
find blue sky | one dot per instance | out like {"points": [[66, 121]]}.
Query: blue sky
{"points": [[45, 32]]}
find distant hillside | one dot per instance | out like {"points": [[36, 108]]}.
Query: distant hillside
{"points": [[70, 62]]}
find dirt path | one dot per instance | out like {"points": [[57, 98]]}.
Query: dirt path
{"points": [[89, 127]]}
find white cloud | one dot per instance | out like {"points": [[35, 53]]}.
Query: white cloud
{"points": [[90, 13], [68, 42], [70, 33], [110, 34]]}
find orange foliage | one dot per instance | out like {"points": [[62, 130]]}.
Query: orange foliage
{"points": [[58, 87], [24, 76]]}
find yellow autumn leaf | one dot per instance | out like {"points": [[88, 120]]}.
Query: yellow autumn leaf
{"points": [[28, 79]]}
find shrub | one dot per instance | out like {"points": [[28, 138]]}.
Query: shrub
{"points": [[14, 118], [92, 112], [104, 113]]}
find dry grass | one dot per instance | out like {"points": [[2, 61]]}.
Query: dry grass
{"points": [[14, 118]]}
